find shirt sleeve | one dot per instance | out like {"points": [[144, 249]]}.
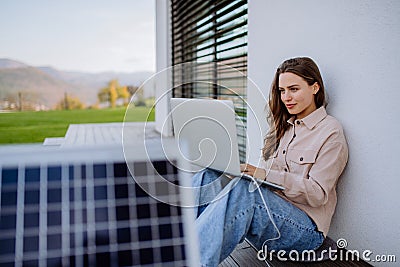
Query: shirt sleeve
{"points": [[322, 177]]}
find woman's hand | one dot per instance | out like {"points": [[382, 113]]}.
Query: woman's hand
{"points": [[251, 170]]}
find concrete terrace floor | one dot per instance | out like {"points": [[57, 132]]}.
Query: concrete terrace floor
{"points": [[91, 134]]}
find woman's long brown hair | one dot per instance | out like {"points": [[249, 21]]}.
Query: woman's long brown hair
{"points": [[278, 114]]}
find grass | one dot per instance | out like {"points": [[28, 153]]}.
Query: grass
{"points": [[34, 127]]}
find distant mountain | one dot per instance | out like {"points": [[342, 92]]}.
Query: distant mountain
{"points": [[49, 84], [34, 84], [96, 81], [11, 64]]}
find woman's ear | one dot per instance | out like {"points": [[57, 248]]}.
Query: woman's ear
{"points": [[315, 88]]}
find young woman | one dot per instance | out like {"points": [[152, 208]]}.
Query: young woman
{"points": [[306, 152]]}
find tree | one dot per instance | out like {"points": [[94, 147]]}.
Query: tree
{"points": [[113, 85], [139, 99], [108, 94], [132, 89], [112, 92], [23, 101], [123, 93], [69, 102], [104, 95]]}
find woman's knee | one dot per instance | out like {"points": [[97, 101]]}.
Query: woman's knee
{"points": [[240, 190]]}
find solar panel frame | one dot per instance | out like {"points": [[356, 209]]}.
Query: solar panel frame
{"points": [[76, 217]]}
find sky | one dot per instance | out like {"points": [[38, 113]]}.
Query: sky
{"points": [[76, 35]]}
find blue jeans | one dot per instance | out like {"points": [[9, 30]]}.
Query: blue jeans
{"points": [[229, 212]]}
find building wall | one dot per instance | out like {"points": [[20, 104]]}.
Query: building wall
{"points": [[161, 79], [356, 45]]}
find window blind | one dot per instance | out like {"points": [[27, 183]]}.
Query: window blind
{"points": [[209, 54]]}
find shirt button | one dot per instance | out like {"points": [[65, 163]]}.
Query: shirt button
{"points": [[298, 122], [301, 159], [294, 135], [285, 169], [284, 151]]}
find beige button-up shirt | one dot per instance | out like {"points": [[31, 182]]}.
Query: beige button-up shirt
{"points": [[308, 162]]}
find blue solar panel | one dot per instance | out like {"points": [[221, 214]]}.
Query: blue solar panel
{"points": [[88, 213]]}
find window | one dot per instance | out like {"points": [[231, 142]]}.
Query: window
{"points": [[209, 54]]}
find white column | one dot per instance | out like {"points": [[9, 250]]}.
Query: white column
{"points": [[162, 79]]}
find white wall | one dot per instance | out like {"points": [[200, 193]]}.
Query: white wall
{"points": [[357, 47], [161, 79]]}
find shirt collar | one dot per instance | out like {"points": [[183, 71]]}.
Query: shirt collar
{"points": [[312, 119]]}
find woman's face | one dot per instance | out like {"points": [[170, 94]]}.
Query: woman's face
{"points": [[297, 95]]}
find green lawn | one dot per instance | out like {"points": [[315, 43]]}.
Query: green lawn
{"points": [[34, 127]]}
